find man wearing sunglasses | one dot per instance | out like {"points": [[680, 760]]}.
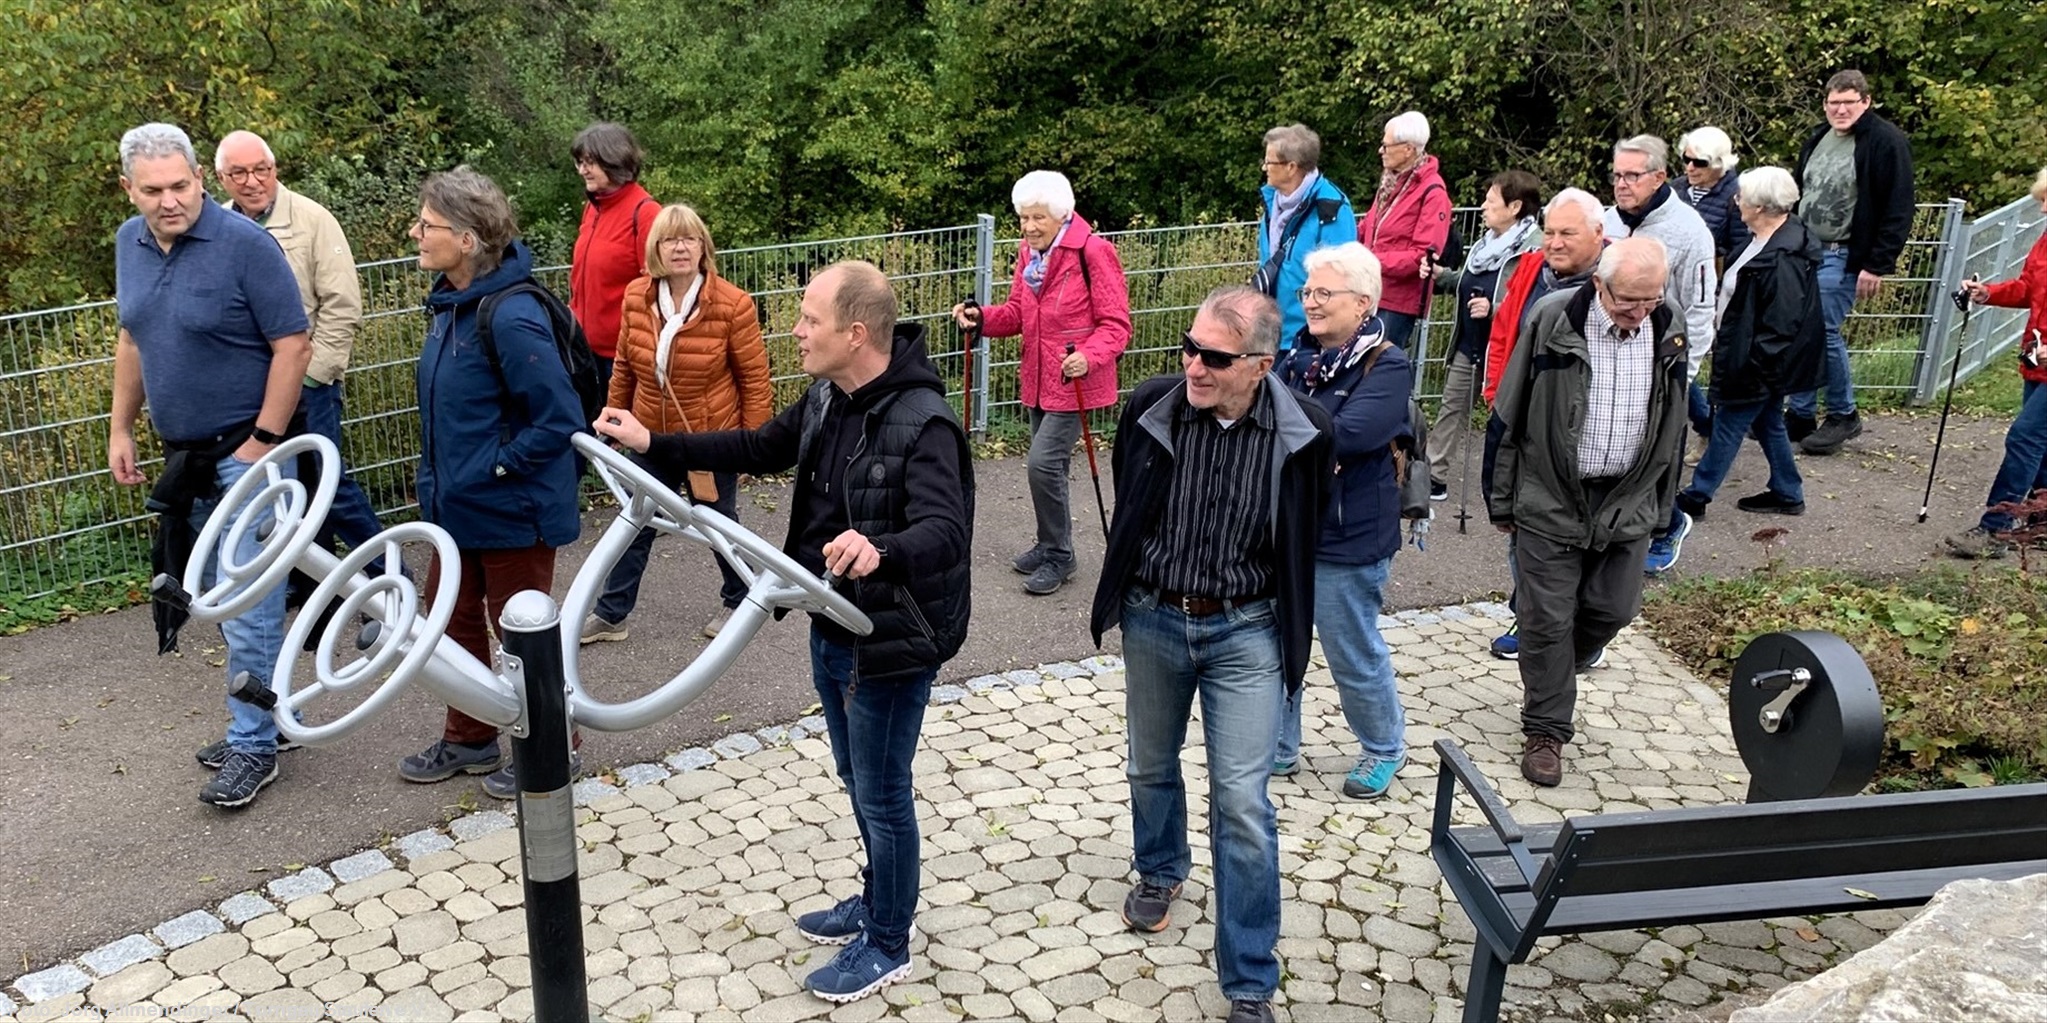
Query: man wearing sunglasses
{"points": [[1855, 182], [1220, 476], [1592, 406]]}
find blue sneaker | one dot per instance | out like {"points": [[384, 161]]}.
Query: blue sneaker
{"points": [[859, 970], [837, 925], [1286, 768], [1507, 645], [1597, 660], [1663, 551], [1372, 777]]}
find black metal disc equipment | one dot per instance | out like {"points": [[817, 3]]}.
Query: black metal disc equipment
{"points": [[1806, 716]]}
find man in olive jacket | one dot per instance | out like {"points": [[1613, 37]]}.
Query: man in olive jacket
{"points": [[1593, 404]]}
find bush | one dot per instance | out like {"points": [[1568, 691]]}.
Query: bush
{"points": [[1960, 657]]}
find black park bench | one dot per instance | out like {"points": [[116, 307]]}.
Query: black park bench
{"points": [[1800, 857]]}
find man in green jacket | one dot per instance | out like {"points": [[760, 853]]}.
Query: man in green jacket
{"points": [[1593, 402]]}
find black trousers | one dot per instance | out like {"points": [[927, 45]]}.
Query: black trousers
{"points": [[1569, 602]]}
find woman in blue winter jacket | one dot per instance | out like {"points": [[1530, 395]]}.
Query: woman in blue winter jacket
{"points": [[495, 467]]}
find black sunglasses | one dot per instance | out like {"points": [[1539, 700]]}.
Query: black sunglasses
{"points": [[1693, 161], [1213, 358]]}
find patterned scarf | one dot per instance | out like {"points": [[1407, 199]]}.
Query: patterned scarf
{"points": [[1034, 270], [1325, 363]]}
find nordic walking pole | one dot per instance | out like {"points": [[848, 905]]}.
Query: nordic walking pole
{"points": [[1087, 437], [971, 340], [1464, 482], [1961, 298]]}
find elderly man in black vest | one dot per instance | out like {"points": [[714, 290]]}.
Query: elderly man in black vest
{"points": [[885, 498]]}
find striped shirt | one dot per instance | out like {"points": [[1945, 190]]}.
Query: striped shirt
{"points": [[1617, 405], [1214, 538]]}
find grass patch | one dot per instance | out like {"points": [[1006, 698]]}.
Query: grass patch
{"points": [[1959, 656]]}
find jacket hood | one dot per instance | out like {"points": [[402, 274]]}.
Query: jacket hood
{"points": [[909, 367], [515, 266], [1324, 189]]}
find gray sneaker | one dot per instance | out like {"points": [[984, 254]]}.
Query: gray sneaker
{"points": [[444, 760], [239, 779], [597, 630], [503, 783], [711, 628], [1028, 561], [213, 755], [1050, 575], [1977, 544]]}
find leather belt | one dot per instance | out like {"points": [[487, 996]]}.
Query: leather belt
{"points": [[1196, 606]]}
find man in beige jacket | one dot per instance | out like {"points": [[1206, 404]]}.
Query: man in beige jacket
{"points": [[325, 269]]}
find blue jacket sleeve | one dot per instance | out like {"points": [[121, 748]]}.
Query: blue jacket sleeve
{"points": [[1375, 414], [536, 379]]}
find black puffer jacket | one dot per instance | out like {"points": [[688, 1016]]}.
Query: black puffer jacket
{"points": [[1772, 339], [1716, 208], [890, 461]]}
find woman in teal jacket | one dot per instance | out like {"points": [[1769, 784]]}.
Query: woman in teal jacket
{"points": [[1300, 211]]}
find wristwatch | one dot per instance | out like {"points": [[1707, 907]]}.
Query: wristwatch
{"points": [[266, 436]]}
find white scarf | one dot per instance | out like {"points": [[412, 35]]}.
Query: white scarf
{"points": [[673, 316], [1492, 251]]}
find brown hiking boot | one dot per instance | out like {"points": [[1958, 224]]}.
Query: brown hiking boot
{"points": [[1976, 544], [1542, 760]]}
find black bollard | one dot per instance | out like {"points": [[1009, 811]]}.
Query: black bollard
{"points": [[531, 628]]}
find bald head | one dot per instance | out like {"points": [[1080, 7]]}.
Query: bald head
{"points": [[1631, 276], [248, 169]]}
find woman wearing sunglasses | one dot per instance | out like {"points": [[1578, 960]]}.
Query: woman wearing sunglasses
{"points": [[1709, 188], [1344, 362]]}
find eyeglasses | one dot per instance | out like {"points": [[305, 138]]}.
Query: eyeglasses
{"points": [[1275, 163], [675, 242], [1631, 177], [423, 225], [1629, 305], [1213, 358], [241, 175], [1846, 103], [1693, 161], [1384, 146], [1321, 295]]}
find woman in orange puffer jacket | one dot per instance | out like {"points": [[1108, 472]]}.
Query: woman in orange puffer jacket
{"points": [[690, 359]]}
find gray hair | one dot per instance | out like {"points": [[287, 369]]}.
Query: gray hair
{"points": [[1637, 254], [1410, 127], [1587, 203], [1771, 189], [1247, 313], [1049, 189], [1711, 145], [1296, 143], [220, 151], [155, 139], [1360, 269], [475, 206], [1657, 150]]}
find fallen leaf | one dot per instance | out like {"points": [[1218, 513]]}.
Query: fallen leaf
{"points": [[1807, 934], [807, 711], [207, 879], [1860, 894], [722, 717]]}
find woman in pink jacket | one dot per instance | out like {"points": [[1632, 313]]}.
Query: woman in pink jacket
{"points": [[1409, 220], [1068, 300]]}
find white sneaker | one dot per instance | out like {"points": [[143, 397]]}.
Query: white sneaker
{"points": [[597, 630], [716, 625]]}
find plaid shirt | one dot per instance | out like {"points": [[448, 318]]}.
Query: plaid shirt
{"points": [[1617, 404]]}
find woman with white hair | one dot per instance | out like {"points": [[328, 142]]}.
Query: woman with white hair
{"points": [[1408, 223], [1345, 362], [1769, 342], [1709, 187], [1068, 300]]}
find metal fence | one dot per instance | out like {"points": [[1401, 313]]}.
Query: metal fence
{"points": [[64, 523], [1992, 247]]}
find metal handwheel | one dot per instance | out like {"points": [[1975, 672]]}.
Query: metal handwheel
{"points": [[400, 648], [1806, 716], [293, 526], [640, 496]]}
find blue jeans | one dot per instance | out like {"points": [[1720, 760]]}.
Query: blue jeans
{"points": [[253, 638], [2024, 468], [1232, 661], [1837, 296], [1698, 411], [874, 728], [352, 520], [622, 586], [1348, 599], [1732, 423], [1399, 326]]}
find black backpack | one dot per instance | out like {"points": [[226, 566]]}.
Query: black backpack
{"points": [[569, 343]]}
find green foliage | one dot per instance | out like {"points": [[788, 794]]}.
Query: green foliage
{"points": [[1959, 658]]}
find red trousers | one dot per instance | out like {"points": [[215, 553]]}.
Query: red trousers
{"points": [[489, 578]]}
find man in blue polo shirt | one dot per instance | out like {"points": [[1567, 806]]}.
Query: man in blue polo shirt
{"points": [[212, 334]]}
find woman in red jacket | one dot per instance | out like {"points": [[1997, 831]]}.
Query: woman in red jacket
{"points": [[1409, 220], [611, 240], [2025, 445], [1068, 300]]}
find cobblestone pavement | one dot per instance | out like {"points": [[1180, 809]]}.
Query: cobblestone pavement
{"points": [[694, 869]]}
